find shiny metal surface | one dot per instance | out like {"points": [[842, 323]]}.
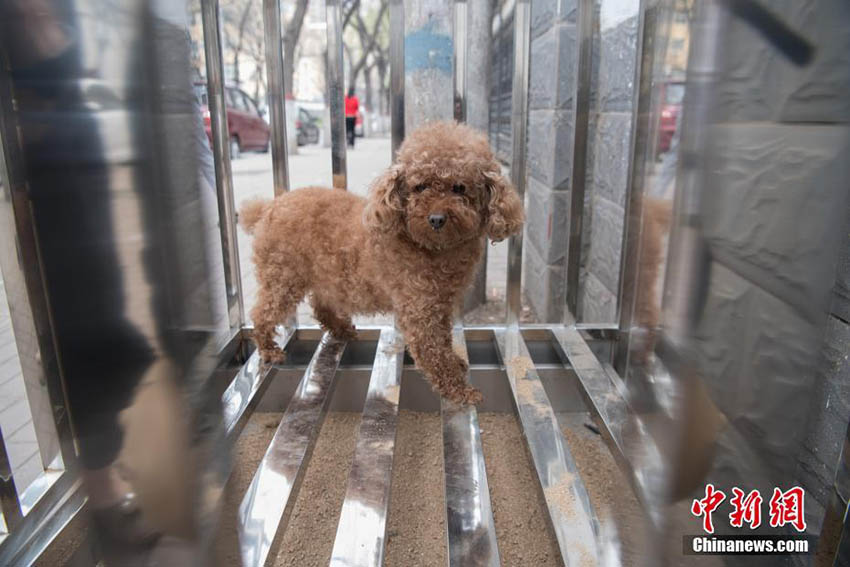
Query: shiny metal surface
{"points": [[688, 251], [27, 299], [265, 509], [396, 74], [244, 392], [276, 94], [637, 449], [460, 35], [640, 149], [519, 129], [10, 506], [471, 532], [578, 178], [361, 532], [573, 520], [63, 502], [221, 152], [336, 94]]}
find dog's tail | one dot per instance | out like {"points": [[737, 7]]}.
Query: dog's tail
{"points": [[251, 213]]}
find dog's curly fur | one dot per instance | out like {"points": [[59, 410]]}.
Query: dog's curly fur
{"points": [[359, 256]]}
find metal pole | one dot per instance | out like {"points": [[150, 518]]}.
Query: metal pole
{"points": [[10, 506], [221, 153], [397, 73], [461, 38], [276, 95], [580, 143], [336, 95], [638, 154], [519, 128]]}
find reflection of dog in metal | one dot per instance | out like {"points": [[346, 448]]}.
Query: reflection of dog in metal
{"points": [[410, 249], [656, 215]]}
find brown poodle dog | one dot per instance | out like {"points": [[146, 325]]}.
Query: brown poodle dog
{"points": [[410, 249]]}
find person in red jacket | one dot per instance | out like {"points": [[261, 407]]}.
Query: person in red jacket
{"points": [[352, 105]]}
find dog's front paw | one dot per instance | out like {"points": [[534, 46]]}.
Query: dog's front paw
{"points": [[272, 355], [463, 394]]}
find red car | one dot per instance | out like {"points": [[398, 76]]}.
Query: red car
{"points": [[672, 95], [248, 130]]}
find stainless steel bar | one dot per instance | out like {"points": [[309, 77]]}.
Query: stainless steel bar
{"points": [[369, 332], [244, 392], [336, 95], [265, 509], [361, 532], [276, 94], [396, 74], [471, 531], [580, 146], [519, 128], [221, 153], [460, 39], [64, 500], [638, 154], [23, 280], [10, 504], [572, 517], [636, 449]]}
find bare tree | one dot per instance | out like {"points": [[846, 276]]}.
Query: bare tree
{"points": [[240, 12], [368, 39], [290, 41]]}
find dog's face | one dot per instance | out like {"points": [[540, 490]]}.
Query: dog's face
{"points": [[445, 188]]}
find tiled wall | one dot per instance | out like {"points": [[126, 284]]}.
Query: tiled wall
{"points": [[551, 124], [609, 133]]}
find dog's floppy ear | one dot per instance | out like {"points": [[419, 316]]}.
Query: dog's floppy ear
{"points": [[384, 208], [505, 213]]}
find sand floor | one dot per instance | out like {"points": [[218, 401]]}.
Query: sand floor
{"points": [[416, 523]]}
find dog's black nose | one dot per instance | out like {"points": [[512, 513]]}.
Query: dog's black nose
{"points": [[437, 221]]}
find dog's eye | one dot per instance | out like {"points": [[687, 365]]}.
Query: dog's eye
{"points": [[459, 189], [419, 188]]}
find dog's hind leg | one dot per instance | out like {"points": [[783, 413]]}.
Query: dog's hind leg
{"points": [[274, 305], [340, 326]]}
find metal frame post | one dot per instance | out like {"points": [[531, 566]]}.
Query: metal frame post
{"points": [[221, 154], [396, 74], [519, 128], [633, 222], [580, 144], [336, 95], [460, 35], [276, 95]]}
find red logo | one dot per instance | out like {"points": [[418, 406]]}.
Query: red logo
{"points": [[746, 509], [787, 508], [705, 506]]}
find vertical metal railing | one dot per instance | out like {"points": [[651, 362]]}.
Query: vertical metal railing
{"points": [[276, 95], [10, 505], [519, 128], [336, 95], [221, 154], [460, 40], [638, 155], [578, 180], [396, 74]]}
